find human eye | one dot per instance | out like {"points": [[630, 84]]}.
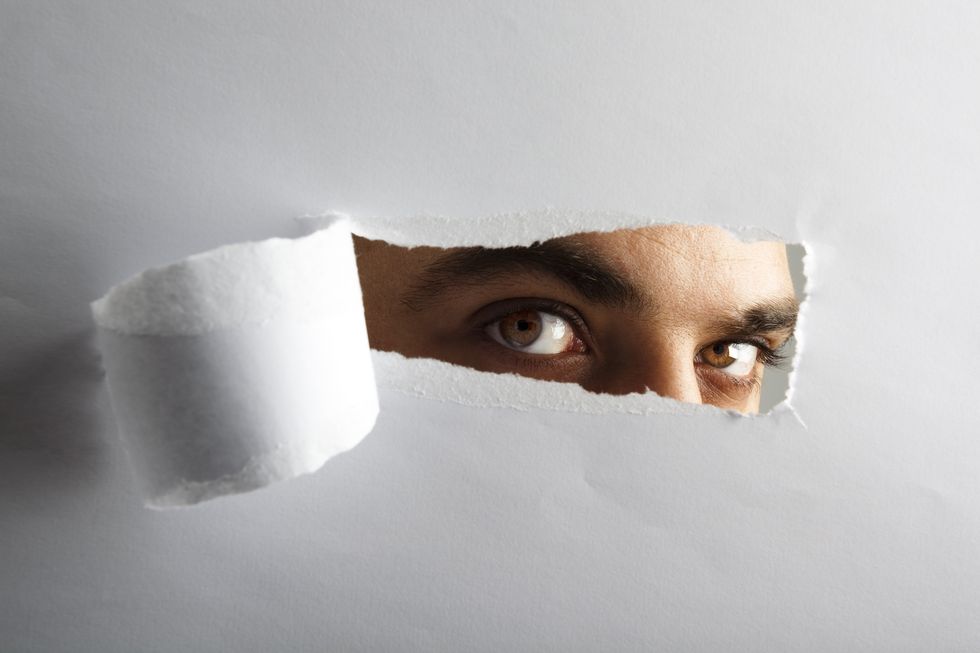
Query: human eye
{"points": [[737, 359], [739, 363], [543, 330]]}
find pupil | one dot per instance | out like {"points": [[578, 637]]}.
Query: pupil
{"points": [[719, 349], [522, 325]]}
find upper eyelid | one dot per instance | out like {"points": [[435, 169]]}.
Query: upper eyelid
{"points": [[505, 307], [757, 342], [758, 339], [769, 355]]}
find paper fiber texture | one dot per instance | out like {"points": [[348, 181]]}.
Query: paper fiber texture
{"points": [[239, 367], [514, 228]]}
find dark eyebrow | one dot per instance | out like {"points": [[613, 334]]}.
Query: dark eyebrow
{"points": [[776, 316], [576, 265]]}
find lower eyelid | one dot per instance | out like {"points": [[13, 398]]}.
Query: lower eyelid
{"points": [[535, 358], [740, 383], [560, 364]]}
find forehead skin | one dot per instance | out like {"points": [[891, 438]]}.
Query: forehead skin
{"points": [[690, 272], [387, 273]]}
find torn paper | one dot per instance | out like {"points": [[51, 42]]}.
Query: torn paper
{"points": [[239, 367], [518, 228]]}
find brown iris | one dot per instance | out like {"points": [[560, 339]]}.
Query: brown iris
{"points": [[718, 354], [521, 328]]}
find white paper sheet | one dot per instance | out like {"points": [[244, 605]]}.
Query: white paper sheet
{"points": [[141, 132]]}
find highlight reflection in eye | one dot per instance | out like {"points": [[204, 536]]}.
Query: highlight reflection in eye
{"points": [[734, 358], [535, 332]]}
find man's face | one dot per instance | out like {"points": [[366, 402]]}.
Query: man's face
{"points": [[688, 312]]}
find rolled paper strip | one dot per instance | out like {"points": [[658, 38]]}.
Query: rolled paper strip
{"points": [[239, 367]]}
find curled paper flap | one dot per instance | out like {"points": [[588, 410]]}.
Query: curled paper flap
{"points": [[239, 367]]}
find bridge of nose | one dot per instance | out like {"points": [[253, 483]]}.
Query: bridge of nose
{"points": [[662, 364]]}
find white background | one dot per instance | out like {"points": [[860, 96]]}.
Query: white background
{"points": [[135, 133]]}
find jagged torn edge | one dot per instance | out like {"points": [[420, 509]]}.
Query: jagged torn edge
{"points": [[434, 379], [513, 229]]}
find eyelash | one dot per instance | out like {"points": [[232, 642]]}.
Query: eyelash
{"points": [[768, 356]]}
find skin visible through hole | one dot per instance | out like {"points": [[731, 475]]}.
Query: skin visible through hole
{"points": [[688, 312]]}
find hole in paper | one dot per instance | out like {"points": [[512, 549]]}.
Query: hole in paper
{"points": [[687, 312]]}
